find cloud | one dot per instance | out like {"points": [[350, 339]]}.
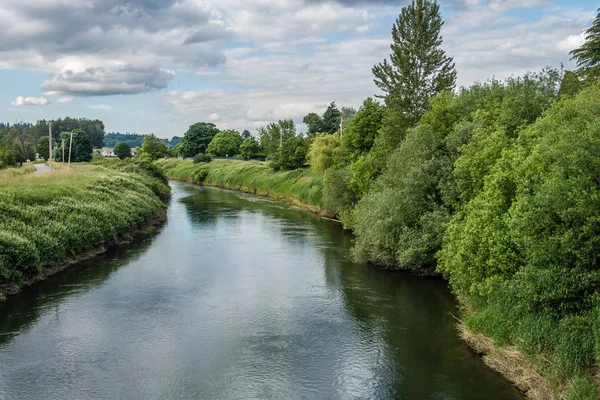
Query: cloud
{"points": [[104, 81], [100, 107], [67, 99], [30, 101], [214, 117]]}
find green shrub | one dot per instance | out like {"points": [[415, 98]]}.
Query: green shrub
{"points": [[202, 158]]}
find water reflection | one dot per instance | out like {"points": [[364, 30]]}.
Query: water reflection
{"points": [[237, 298]]}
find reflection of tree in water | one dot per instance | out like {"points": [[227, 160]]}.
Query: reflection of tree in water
{"points": [[205, 206], [24, 309], [411, 318]]}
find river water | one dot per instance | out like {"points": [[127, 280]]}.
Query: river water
{"points": [[237, 298]]}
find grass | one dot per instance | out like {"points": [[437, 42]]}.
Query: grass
{"points": [[302, 187], [46, 220]]}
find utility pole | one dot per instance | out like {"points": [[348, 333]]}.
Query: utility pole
{"points": [[63, 151], [70, 148], [50, 155]]}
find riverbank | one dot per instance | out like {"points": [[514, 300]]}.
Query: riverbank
{"points": [[301, 188], [52, 221], [539, 379]]}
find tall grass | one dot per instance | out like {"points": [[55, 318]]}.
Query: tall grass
{"points": [[301, 186], [48, 219]]}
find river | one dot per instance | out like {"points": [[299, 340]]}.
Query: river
{"points": [[237, 298]]}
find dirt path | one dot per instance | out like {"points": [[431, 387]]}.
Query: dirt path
{"points": [[41, 169]]}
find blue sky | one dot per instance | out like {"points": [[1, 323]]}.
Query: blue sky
{"points": [[160, 65]]}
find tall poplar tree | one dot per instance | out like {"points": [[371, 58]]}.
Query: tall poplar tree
{"points": [[418, 68], [588, 55]]}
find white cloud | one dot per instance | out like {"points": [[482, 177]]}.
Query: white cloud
{"points": [[30, 101], [67, 99], [571, 42], [214, 117], [100, 107]]}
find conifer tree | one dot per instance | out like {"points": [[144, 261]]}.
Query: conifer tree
{"points": [[418, 68], [588, 55]]}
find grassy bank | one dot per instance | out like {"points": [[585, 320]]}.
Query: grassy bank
{"points": [[50, 220], [302, 187]]}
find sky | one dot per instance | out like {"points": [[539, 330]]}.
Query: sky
{"points": [[158, 66]]}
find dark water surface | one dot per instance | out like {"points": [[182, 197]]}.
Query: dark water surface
{"points": [[237, 298]]}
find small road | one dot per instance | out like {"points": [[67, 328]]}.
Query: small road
{"points": [[41, 169]]}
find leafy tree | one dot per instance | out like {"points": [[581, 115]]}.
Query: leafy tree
{"points": [[250, 148], [361, 131], [348, 113], [122, 150], [330, 122], [322, 150], [42, 147], [153, 147], [225, 143], [291, 155], [314, 123], [246, 134], [418, 68], [197, 138], [82, 146], [588, 55], [274, 134], [23, 142], [570, 84]]}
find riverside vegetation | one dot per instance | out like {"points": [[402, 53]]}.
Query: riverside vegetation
{"points": [[51, 219], [495, 186]]}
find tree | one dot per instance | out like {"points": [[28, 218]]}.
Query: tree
{"points": [[322, 150], [418, 67], [23, 141], [250, 148], [361, 131], [313, 122], [225, 143], [154, 147], [122, 150], [82, 146], [291, 155], [348, 113], [570, 84], [246, 134], [42, 147], [331, 119], [197, 138], [274, 134], [588, 55]]}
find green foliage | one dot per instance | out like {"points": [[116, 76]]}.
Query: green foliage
{"points": [[301, 185], [291, 155], [42, 147], [313, 122], [570, 85], [225, 143], [337, 195], [330, 122], [250, 148], [588, 55], [153, 147], [274, 134], [321, 151], [197, 138], [47, 220], [202, 158], [122, 150], [361, 131], [82, 146], [400, 222], [416, 42]]}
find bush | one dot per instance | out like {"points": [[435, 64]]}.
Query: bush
{"points": [[122, 150], [202, 158], [321, 152], [291, 155]]}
